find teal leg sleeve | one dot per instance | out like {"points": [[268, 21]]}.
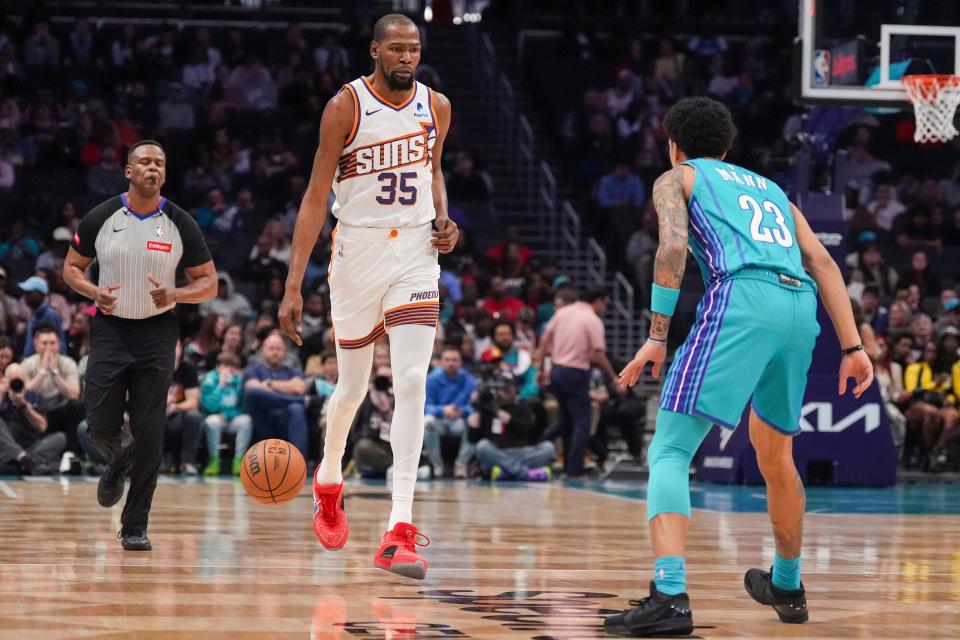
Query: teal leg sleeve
{"points": [[676, 440]]}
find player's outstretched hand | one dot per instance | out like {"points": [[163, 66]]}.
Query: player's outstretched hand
{"points": [[649, 352], [289, 316], [857, 366], [444, 239]]}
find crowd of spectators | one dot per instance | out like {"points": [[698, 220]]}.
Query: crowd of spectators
{"points": [[902, 202], [237, 111]]}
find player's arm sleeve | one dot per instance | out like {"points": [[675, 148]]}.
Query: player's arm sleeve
{"points": [[195, 251]]}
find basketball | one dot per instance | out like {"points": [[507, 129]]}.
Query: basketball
{"points": [[273, 471]]}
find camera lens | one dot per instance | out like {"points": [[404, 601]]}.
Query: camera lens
{"points": [[16, 385]]}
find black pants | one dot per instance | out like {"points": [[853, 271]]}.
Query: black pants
{"points": [[130, 369], [572, 390]]}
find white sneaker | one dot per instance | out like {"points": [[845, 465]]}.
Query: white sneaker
{"points": [[459, 469], [66, 462]]}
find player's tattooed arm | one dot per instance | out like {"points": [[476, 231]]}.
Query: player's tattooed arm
{"points": [[670, 201]]}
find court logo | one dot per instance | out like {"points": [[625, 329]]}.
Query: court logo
{"points": [[868, 413]]}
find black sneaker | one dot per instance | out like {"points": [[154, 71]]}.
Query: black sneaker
{"points": [[791, 606], [110, 487], [134, 540], [656, 615]]}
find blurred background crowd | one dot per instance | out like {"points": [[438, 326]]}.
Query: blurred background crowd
{"points": [[238, 110]]}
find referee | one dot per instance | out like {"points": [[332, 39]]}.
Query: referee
{"points": [[139, 240]]}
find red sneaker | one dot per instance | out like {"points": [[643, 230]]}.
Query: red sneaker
{"points": [[329, 519], [398, 552]]}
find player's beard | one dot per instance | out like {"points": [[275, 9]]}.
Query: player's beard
{"points": [[395, 83]]}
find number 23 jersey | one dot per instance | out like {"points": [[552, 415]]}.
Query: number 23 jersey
{"points": [[740, 220], [385, 173]]}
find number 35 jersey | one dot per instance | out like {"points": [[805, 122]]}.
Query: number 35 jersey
{"points": [[739, 220], [385, 173]]}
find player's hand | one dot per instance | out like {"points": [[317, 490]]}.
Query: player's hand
{"points": [[289, 315], [106, 301], [444, 239], [857, 366], [162, 296], [649, 352]]}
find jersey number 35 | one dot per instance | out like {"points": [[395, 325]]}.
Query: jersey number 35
{"points": [[391, 185]]}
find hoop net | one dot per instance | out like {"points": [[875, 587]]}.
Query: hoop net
{"points": [[935, 99]]}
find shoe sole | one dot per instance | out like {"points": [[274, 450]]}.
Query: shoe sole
{"points": [[664, 628], [413, 570], [786, 618], [131, 547]]}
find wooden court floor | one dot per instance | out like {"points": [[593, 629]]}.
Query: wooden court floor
{"points": [[536, 561]]}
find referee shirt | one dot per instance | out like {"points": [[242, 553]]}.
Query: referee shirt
{"points": [[129, 245]]}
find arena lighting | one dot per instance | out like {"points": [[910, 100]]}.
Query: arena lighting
{"points": [[428, 14]]}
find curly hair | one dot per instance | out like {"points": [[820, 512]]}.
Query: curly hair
{"points": [[701, 127]]}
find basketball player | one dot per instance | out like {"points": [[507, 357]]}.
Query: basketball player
{"points": [[381, 138], [753, 339]]}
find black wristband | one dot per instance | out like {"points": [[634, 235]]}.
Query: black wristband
{"points": [[847, 352]]}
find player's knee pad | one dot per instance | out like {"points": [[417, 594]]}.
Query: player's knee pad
{"points": [[675, 442]]}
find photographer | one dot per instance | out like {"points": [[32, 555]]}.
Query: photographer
{"points": [[23, 438], [372, 451], [502, 428]]}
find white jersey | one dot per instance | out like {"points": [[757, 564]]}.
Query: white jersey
{"points": [[385, 175]]}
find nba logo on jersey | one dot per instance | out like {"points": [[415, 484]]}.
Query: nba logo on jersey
{"points": [[821, 68], [159, 231]]}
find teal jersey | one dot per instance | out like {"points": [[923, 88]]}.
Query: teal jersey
{"points": [[741, 220]]}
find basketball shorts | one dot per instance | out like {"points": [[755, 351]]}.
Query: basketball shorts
{"points": [[753, 338], [381, 278]]}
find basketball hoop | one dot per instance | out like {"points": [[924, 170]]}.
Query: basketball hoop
{"points": [[935, 99]]}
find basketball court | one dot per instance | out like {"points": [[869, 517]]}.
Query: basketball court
{"points": [[530, 561], [517, 561]]}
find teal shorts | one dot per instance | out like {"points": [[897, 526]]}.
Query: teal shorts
{"points": [[753, 337]]}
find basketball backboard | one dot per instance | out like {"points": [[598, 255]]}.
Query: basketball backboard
{"points": [[854, 52]]}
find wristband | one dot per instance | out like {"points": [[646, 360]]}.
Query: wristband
{"points": [[655, 341], [663, 300], [847, 352]]}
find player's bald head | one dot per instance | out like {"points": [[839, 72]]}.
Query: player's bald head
{"points": [[389, 22]]}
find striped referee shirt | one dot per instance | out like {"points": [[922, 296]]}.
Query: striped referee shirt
{"points": [[129, 245]]}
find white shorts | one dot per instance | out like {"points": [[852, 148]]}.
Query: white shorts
{"points": [[381, 278]]}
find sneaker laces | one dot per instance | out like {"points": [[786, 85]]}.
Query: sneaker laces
{"points": [[410, 541], [638, 603], [328, 506]]}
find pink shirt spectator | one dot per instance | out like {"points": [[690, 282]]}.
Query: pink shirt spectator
{"points": [[576, 333]]}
